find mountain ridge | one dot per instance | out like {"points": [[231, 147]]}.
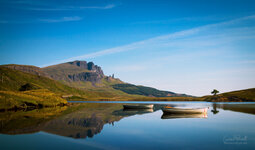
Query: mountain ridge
{"points": [[88, 71], [88, 76], [23, 86]]}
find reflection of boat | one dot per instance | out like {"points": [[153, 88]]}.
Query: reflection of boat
{"points": [[176, 116], [138, 106], [131, 112], [172, 110], [138, 110]]}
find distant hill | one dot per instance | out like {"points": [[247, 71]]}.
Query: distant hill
{"points": [[146, 91], [235, 96], [80, 74], [16, 76], [75, 71], [28, 69], [86, 78], [23, 85], [89, 76], [12, 80]]}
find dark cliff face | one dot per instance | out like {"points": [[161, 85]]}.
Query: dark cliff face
{"points": [[95, 68], [82, 64], [93, 73], [86, 76], [76, 71], [90, 66]]}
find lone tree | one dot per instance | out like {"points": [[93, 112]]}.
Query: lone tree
{"points": [[215, 92]]}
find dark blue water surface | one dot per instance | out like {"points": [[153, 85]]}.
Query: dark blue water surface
{"points": [[108, 126]]}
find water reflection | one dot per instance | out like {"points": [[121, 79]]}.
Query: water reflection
{"points": [[244, 108], [176, 116], [87, 120], [214, 110], [131, 112], [21, 122]]}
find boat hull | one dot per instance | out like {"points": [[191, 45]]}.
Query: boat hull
{"points": [[138, 106], [184, 111]]}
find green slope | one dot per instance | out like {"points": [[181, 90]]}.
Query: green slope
{"points": [[61, 71], [235, 96], [146, 91], [12, 80], [107, 85], [248, 94], [46, 91], [99, 90]]}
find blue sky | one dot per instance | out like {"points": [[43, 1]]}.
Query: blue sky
{"points": [[187, 46]]}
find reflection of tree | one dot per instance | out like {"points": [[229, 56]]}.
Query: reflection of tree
{"points": [[215, 111]]}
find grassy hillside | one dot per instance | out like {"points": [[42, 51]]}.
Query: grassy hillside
{"points": [[45, 91], [20, 90], [102, 90], [72, 74], [27, 68], [235, 96], [61, 71], [146, 91], [28, 99], [248, 94], [12, 80]]}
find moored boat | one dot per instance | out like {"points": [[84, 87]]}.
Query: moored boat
{"points": [[138, 106], [172, 110]]}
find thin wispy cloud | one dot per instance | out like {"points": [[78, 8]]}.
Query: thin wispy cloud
{"points": [[43, 20], [110, 6], [46, 6], [160, 39], [72, 8], [25, 2], [188, 19], [37, 5], [63, 19]]}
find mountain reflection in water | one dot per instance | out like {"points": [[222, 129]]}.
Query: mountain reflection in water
{"points": [[77, 121], [87, 119]]}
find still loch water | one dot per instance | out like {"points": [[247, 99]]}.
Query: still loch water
{"points": [[108, 126]]}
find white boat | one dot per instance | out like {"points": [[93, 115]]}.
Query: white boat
{"points": [[177, 116], [172, 110], [138, 106]]}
